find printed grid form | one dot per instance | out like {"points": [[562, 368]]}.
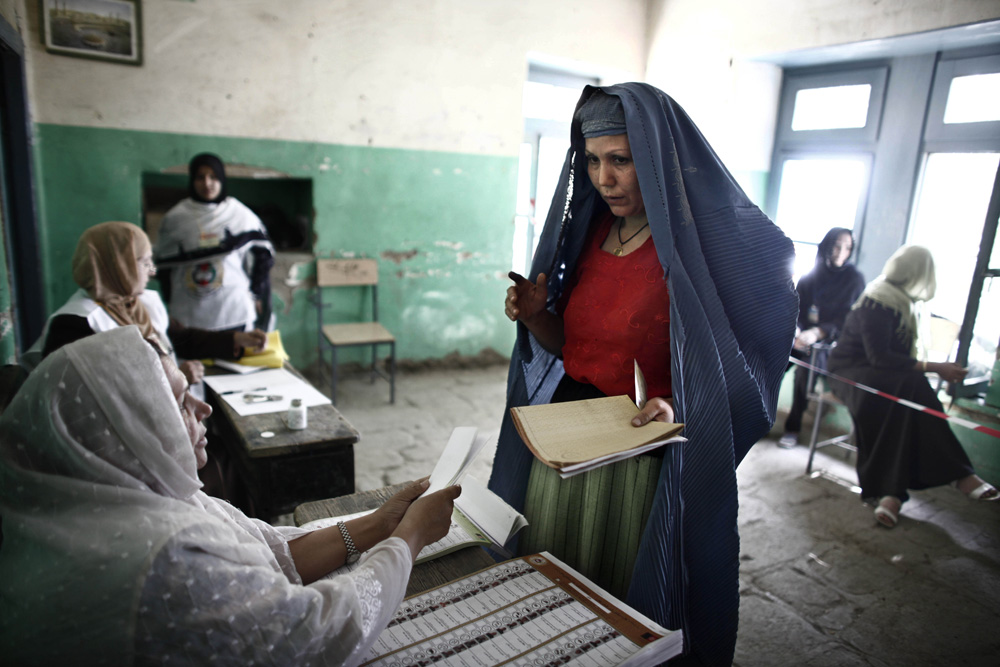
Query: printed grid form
{"points": [[509, 614]]}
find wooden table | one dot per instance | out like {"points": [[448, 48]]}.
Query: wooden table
{"points": [[425, 576], [289, 467]]}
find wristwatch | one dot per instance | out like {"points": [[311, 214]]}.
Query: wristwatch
{"points": [[352, 551]]}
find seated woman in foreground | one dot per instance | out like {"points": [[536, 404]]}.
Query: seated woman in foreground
{"points": [[112, 265], [98, 459], [899, 448]]}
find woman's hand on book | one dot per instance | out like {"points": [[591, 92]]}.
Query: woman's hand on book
{"points": [[656, 409]]}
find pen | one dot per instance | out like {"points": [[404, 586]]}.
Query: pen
{"points": [[242, 391]]}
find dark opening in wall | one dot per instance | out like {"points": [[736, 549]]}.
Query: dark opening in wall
{"points": [[283, 204]]}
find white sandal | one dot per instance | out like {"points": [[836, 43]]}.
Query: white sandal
{"points": [[886, 516], [985, 489]]}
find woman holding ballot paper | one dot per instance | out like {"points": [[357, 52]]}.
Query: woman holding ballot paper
{"points": [[657, 257], [112, 554]]}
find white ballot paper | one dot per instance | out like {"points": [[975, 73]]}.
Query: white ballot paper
{"points": [[463, 446], [480, 516], [266, 391]]}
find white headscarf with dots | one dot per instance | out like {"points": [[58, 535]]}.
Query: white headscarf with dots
{"points": [[111, 553]]}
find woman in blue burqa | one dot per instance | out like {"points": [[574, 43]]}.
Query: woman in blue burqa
{"points": [[651, 251]]}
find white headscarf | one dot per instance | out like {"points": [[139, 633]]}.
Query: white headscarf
{"points": [[109, 547], [907, 279]]}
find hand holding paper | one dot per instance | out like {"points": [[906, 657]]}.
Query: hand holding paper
{"points": [[462, 448]]}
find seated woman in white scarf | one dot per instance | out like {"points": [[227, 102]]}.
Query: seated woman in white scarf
{"points": [[112, 555]]}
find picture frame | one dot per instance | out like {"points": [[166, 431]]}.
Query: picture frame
{"points": [[109, 30]]}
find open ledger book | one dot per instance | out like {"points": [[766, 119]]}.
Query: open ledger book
{"points": [[533, 610], [578, 436], [480, 517]]}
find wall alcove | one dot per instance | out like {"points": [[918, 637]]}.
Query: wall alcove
{"points": [[283, 203]]}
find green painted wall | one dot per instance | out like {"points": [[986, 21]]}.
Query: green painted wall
{"points": [[440, 225]]}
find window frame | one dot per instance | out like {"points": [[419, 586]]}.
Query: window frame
{"points": [[959, 137], [794, 82]]}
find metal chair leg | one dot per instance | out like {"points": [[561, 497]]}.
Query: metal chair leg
{"points": [[333, 375], [815, 432], [392, 372]]}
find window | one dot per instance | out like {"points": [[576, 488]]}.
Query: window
{"points": [[831, 108], [973, 99], [549, 100], [826, 138], [816, 194], [961, 155]]}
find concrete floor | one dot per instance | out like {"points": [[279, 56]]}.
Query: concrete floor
{"points": [[821, 583]]}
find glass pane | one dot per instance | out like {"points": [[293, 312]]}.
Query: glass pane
{"points": [[817, 194], [551, 155], [954, 194], [549, 102], [524, 180], [522, 230], [805, 260], [831, 108], [973, 99]]}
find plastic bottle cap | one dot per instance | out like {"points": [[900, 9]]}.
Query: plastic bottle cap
{"points": [[296, 402]]}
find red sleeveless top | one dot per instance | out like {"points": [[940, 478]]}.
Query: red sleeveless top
{"points": [[617, 310]]}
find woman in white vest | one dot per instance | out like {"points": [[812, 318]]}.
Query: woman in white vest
{"points": [[214, 255]]}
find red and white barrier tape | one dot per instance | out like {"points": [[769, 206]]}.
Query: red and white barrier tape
{"points": [[965, 423]]}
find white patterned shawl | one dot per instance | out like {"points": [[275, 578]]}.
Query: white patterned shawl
{"points": [[112, 555]]}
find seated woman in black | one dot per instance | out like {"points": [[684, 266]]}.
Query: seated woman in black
{"points": [[826, 295]]}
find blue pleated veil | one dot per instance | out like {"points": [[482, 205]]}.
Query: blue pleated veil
{"points": [[732, 320]]}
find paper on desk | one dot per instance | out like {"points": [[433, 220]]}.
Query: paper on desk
{"points": [[275, 382], [461, 450]]}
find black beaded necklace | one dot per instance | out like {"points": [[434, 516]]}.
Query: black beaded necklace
{"points": [[621, 244]]}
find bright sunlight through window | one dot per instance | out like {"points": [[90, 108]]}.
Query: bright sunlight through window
{"points": [[948, 219], [831, 108], [973, 99]]}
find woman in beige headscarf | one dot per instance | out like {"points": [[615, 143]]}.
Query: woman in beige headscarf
{"points": [[899, 448], [112, 264]]}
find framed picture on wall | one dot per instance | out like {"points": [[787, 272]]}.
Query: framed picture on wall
{"points": [[103, 29]]}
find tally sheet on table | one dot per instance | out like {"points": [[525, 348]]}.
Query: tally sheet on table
{"points": [[276, 382], [533, 610]]}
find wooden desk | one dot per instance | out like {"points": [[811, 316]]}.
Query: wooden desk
{"points": [[291, 466], [424, 576]]}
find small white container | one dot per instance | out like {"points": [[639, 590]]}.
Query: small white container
{"points": [[297, 417]]}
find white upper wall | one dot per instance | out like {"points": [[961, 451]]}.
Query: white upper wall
{"points": [[418, 74], [701, 53]]}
